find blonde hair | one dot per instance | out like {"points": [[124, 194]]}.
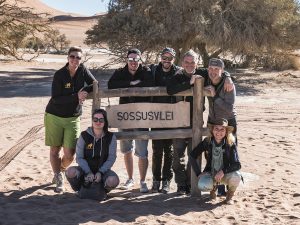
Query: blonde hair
{"points": [[230, 139]]}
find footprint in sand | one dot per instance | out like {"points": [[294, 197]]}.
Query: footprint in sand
{"points": [[26, 178]]}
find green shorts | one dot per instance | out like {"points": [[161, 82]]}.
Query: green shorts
{"points": [[61, 131]]}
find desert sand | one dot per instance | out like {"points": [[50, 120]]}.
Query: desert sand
{"points": [[268, 132]]}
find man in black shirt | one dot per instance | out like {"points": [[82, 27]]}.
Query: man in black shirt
{"points": [[133, 75], [162, 170]]}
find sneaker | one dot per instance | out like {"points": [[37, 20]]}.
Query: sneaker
{"points": [[59, 181], [181, 190], [155, 186], [143, 187], [128, 185], [165, 187]]}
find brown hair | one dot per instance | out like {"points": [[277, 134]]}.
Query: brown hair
{"points": [[74, 49]]}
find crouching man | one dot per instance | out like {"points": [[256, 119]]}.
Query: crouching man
{"points": [[222, 160]]}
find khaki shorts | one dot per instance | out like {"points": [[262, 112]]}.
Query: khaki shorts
{"points": [[61, 131]]}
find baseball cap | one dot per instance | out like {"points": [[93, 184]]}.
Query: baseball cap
{"points": [[134, 51], [216, 62], [169, 50]]}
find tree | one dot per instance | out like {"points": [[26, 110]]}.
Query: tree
{"points": [[53, 39], [17, 25], [210, 27]]}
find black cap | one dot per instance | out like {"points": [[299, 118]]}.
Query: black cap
{"points": [[169, 50], [134, 51]]}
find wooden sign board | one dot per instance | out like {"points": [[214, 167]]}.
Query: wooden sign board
{"points": [[149, 115]]}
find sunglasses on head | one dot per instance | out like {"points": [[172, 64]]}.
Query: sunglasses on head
{"points": [[167, 58], [100, 120], [75, 57], [130, 59]]}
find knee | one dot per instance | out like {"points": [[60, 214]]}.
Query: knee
{"points": [[112, 181], [54, 151], [205, 183], [69, 154], [72, 172], [234, 179]]}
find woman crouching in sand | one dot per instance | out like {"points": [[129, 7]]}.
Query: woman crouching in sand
{"points": [[222, 160], [95, 155]]}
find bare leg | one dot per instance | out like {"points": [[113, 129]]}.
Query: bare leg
{"points": [[128, 159], [55, 159], [143, 166], [67, 158]]}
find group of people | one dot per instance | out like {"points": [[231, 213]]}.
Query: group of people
{"points": [[96, 147]]}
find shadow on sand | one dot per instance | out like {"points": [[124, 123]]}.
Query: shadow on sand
{"points": [[37, 82], [37, 208]]}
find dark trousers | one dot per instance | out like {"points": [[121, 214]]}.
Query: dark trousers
{"points": [[162, 149], [182, 169]]}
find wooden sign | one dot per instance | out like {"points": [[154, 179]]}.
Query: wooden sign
{"points": [[149, 115]]}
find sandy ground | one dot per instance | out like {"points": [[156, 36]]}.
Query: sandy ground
{"points": [[268, 114]]}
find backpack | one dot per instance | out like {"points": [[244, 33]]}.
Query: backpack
{"points": [[94, 191]]}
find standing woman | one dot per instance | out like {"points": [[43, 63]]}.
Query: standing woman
{"points": [[62, 121], [95, 155]]}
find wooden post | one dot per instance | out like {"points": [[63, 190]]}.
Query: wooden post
{"points": [[96, 99], [197, 129]]}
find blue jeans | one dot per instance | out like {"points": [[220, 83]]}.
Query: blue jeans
{"points": [[232, 180]]}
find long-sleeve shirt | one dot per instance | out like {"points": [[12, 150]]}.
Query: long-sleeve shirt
{"points": [[122, 78], [64, 100], [230, 156], [81, 159]]}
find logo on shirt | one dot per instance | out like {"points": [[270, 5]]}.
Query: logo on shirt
{"points": [[68, 85], [89, 146]]}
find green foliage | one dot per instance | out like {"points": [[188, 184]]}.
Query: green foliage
{"points": [[210, 27], [17, 25], [54, 40]]}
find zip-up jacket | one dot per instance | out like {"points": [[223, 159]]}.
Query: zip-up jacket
{"points": [[222, 104], [231, 161], [94, 155], [122, 78], [64, 95], [161, 79]]}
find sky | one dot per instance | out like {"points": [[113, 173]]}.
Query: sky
{"points": [[83, 7]]}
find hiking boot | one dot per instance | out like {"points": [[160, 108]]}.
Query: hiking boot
{"points": [[59, 181], [155, 186], [181, 190], [229, 196], [213, 194], [143, 187], [128, 185], [165, 187]]}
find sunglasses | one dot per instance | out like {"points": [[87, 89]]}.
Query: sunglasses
{"points": [[130, 59], [100, 120], [166, 58], [75, 57]]}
